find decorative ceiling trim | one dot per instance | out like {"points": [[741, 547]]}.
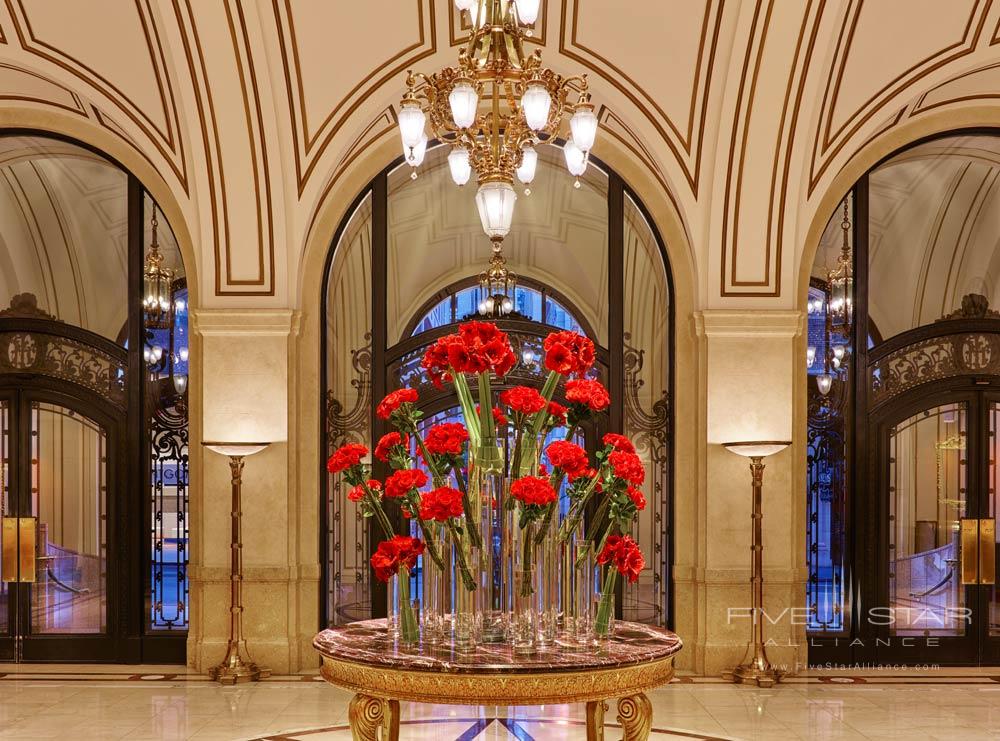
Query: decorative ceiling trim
{"points": [[310, 146], [919, 107], [680, 143], [827, 144], [169, 143], [79, 108]]}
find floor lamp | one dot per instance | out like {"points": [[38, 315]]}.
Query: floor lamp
{"points": [[237, 667], [758, 669]]}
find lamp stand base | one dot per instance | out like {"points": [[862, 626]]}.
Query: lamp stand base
{"points": [[234, 669], [763, 676]]}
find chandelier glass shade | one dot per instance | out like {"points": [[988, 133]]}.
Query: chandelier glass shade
{"points": [[494, 106]]}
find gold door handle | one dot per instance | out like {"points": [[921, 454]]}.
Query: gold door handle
{"points": [[17, 541], [978, 544]]}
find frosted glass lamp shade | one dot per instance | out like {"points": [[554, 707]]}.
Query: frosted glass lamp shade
{"points": [[810, 356], [411, 125], [234, 449], [536, 103], [583, 124], [529, 162], [527, 11], [496, 208], [464, 4], [757, 448], [824, 382], [464, 101], [458, 163], [576, 158]]}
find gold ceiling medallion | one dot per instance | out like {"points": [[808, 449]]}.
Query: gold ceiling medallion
{"points": [[494, 107]]}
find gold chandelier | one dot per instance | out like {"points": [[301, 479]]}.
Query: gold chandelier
{"points": [[497, 285], [494, 107], [158, 285]]}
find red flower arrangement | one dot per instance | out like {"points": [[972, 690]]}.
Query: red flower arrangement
{"points": [[358, 492], [557, 414], [625, 554], [588, 393], [568, 353], [533, 490], [523, 400], [401, 483], [441, 504], [399, 551], [387, 442], [568, 457], [447, 438], [394, 400], [627, 466], [478, 347], [618, 442], [637, 497], [346, 457]]}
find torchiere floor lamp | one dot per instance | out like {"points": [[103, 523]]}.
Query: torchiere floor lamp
{"points": [[237, 667], [758, 669]]}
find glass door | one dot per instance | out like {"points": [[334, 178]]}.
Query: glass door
{"points": [[55, 536]]}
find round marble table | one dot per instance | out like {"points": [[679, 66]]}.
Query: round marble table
{"points": [[361, 657]]}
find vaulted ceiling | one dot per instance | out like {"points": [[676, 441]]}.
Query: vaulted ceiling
{"points": [[732, 119]]}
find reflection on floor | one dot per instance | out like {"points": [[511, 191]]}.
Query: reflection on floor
{"points": [[77, 702]]}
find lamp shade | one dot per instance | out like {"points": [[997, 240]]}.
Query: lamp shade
{"points": [[411, 124], [464, 4], [757, 448], [495, 201], [576, 158], [536, 103], [527, 11], [235, 449], [824, 382], [415, 157], [529, 162], [464, 101], [583, 124], [458, 163]]}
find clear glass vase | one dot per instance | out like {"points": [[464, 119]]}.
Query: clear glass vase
{"points": [[523, 627], [547, 580], [467, 616], [404, 609], [487, 487], [577, 597], [604, 618], [436, 590]]}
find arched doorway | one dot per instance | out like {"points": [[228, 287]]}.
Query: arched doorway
{"points": [[903, 413], [93, 412], [402, 270]]}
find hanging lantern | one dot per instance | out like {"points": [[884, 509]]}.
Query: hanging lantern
{"points": [[158, 280], [497, 286], [841, 282]]}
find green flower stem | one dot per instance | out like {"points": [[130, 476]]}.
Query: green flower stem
{"points": [[488, 454], [429, 542], [468, 407], [515, 460], [576, 513], [543, 529], [527, 565], [470, 521], [376, 505], [607, 603], [409, 629], [428, 458], [463, 565], [548, 391]]}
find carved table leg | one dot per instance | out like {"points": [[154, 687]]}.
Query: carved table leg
{"points": [[595, 720], [368, 714], [635, 713]]}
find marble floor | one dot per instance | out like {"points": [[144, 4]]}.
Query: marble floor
{"points": [[149, 702]]}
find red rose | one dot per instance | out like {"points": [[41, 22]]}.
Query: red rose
{"points": [[358, 492], [400, 551], [533, 490], [441, 504], [446, 438], [393, 401], [588, 393], [389, 441], [347, 456], [401, 483], [568, 353], [569, 457], [637, 497], [523, 400], [618, 442], [557, 414], [627, 466], [478, 347]]}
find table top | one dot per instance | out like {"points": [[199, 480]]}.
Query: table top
{"points": [[368, 643]]}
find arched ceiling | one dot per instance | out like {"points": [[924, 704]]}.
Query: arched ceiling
{"points": [[738, 115]]}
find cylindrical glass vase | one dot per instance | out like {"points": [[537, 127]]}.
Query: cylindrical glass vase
{"points": [[487, 497], [523, 628], [467, 617], [577, 598], [404, 609], [547, 581], [436, 590], [604, 619]]}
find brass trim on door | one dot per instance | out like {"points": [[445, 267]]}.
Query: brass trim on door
{"points": [[969, 545], [8, 549], [27, 527], [988, 551]]}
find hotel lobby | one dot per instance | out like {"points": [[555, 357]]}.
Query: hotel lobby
{"points": [[499, 369]]}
